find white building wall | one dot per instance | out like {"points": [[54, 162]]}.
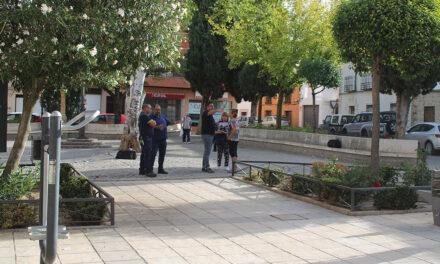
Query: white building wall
{"points": [[357, 97], [322, 99], [244, 107]]}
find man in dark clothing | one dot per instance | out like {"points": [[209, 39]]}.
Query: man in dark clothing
{"points": [[160, 138], [208, 132], [146, 130]]}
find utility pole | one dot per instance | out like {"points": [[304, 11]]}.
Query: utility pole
{"points": [[3, 115]]}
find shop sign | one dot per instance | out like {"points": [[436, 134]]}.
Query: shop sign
{"points": [[158, 95], [194, 107]]}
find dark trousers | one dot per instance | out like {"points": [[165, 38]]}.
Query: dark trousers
{"points": [[186, 137], [222, 150], [161, 146], [145, 163]]}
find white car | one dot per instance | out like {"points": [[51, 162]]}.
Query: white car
{"points": [[428, 135], [246, 121], [271, 121]]}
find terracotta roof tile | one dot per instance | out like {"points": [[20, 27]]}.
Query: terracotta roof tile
{"points": [[168, 82]]}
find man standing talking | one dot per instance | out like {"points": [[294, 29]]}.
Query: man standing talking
{"points": [[160, 138], [146, 130], [208, 132]]}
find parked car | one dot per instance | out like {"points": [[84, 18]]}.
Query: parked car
{"points": [[14, 117], [428, 135], [108, 118], [362, 125], [245, 121], [271, 121], [333, 123]]}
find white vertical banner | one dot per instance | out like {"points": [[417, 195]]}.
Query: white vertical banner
{"points": [[134, 102]]}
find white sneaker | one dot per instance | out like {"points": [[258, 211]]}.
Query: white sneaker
{"points": [[188, 142]]}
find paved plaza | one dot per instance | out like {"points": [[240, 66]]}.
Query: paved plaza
{"points": [[192, 217]]}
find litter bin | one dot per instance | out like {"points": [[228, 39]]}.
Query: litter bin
{"points": [[436, 198], [36, 149]]}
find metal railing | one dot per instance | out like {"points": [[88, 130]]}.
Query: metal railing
{"points": [[297, 180]]}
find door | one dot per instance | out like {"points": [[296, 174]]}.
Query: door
{"points": [[429, 114], [308, 115]]}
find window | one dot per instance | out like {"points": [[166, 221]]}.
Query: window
{"points": [[429, 114], [351, 109], [288, 98], [111, 119], [393, 107], [366, 82], [357, 119], [366, 117], [327, 119], [426, 128], [268, 100], [349, 84], [346, 119], [335, 120], [268, 112], [369, 108], [243, 113], [416, 128]]}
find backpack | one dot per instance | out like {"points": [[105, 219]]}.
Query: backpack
{"points": [[334, 143]]}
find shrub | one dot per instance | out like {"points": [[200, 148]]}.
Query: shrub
{"points": [[358, 177], [270, 177], [286, 184], [19, 184], [388, 176], [17, 215], [399, 198], [72, 186], [331, 170]]}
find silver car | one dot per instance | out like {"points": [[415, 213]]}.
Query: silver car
{"points": [[428, 135]]}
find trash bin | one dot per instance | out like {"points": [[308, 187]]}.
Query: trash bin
{"points": [[436, 197], [36, 149]]}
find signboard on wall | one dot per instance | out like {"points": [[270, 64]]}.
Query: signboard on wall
{"points": [[194, 107]]}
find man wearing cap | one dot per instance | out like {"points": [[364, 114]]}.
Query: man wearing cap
{"points": [[146, 130]]}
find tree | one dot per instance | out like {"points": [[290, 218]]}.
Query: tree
{"points": [[276, 35], [75, 43], [206, 66], [320, 73], [254, 85], [386, 31]]}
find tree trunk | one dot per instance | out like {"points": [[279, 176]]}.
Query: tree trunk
{"points": [[280, 109], [260, 109], [403, 103], [314, 108], [3, 115], [254, 107], [30, 97], [375, 158], [205, 101], [118, 99], [82, 131]]}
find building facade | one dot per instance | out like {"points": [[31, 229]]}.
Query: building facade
{"points": [[425, 108], [326, 104], [355, 93], [175, 96], [291, 107]]}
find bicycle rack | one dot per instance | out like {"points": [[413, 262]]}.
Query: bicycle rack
{"points": [[49, 232]]}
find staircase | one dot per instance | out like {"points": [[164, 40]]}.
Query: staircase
{"points": [[76, 143]]}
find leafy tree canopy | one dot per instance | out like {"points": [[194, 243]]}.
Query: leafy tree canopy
{"points": [[319, 72]]}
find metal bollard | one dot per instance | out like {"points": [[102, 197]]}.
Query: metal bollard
{"points": [[48, 232]]}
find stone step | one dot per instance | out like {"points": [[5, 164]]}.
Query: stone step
{"points": [[87, 146], [82, 140]]}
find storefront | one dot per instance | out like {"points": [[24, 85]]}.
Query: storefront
{"points": [[171, 104]]}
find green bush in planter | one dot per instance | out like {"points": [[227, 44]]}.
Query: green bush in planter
{"points": [[84, 213], [17, 215], [19, 184], [399, 198], [270, 177]]}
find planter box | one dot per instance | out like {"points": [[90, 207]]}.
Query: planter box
{"points": [[98, 209], [436, 198]]}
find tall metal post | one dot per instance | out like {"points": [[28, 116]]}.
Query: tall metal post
{"points": [[53, 186], [44, 173], [3, 115]]}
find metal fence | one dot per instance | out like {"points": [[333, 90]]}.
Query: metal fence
{"points": [[295, 177]]}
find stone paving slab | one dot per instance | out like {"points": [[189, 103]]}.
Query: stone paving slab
{"points": [[227, 221]]}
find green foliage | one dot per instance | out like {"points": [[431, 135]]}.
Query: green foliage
{"points": [[319, 72], [399, 198], [85, 212], [19, 183], [18, 215], [253, 83], [73, 103], [329, 172], [389, 176], [206, 65], [51, 99], [270, 177]]}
